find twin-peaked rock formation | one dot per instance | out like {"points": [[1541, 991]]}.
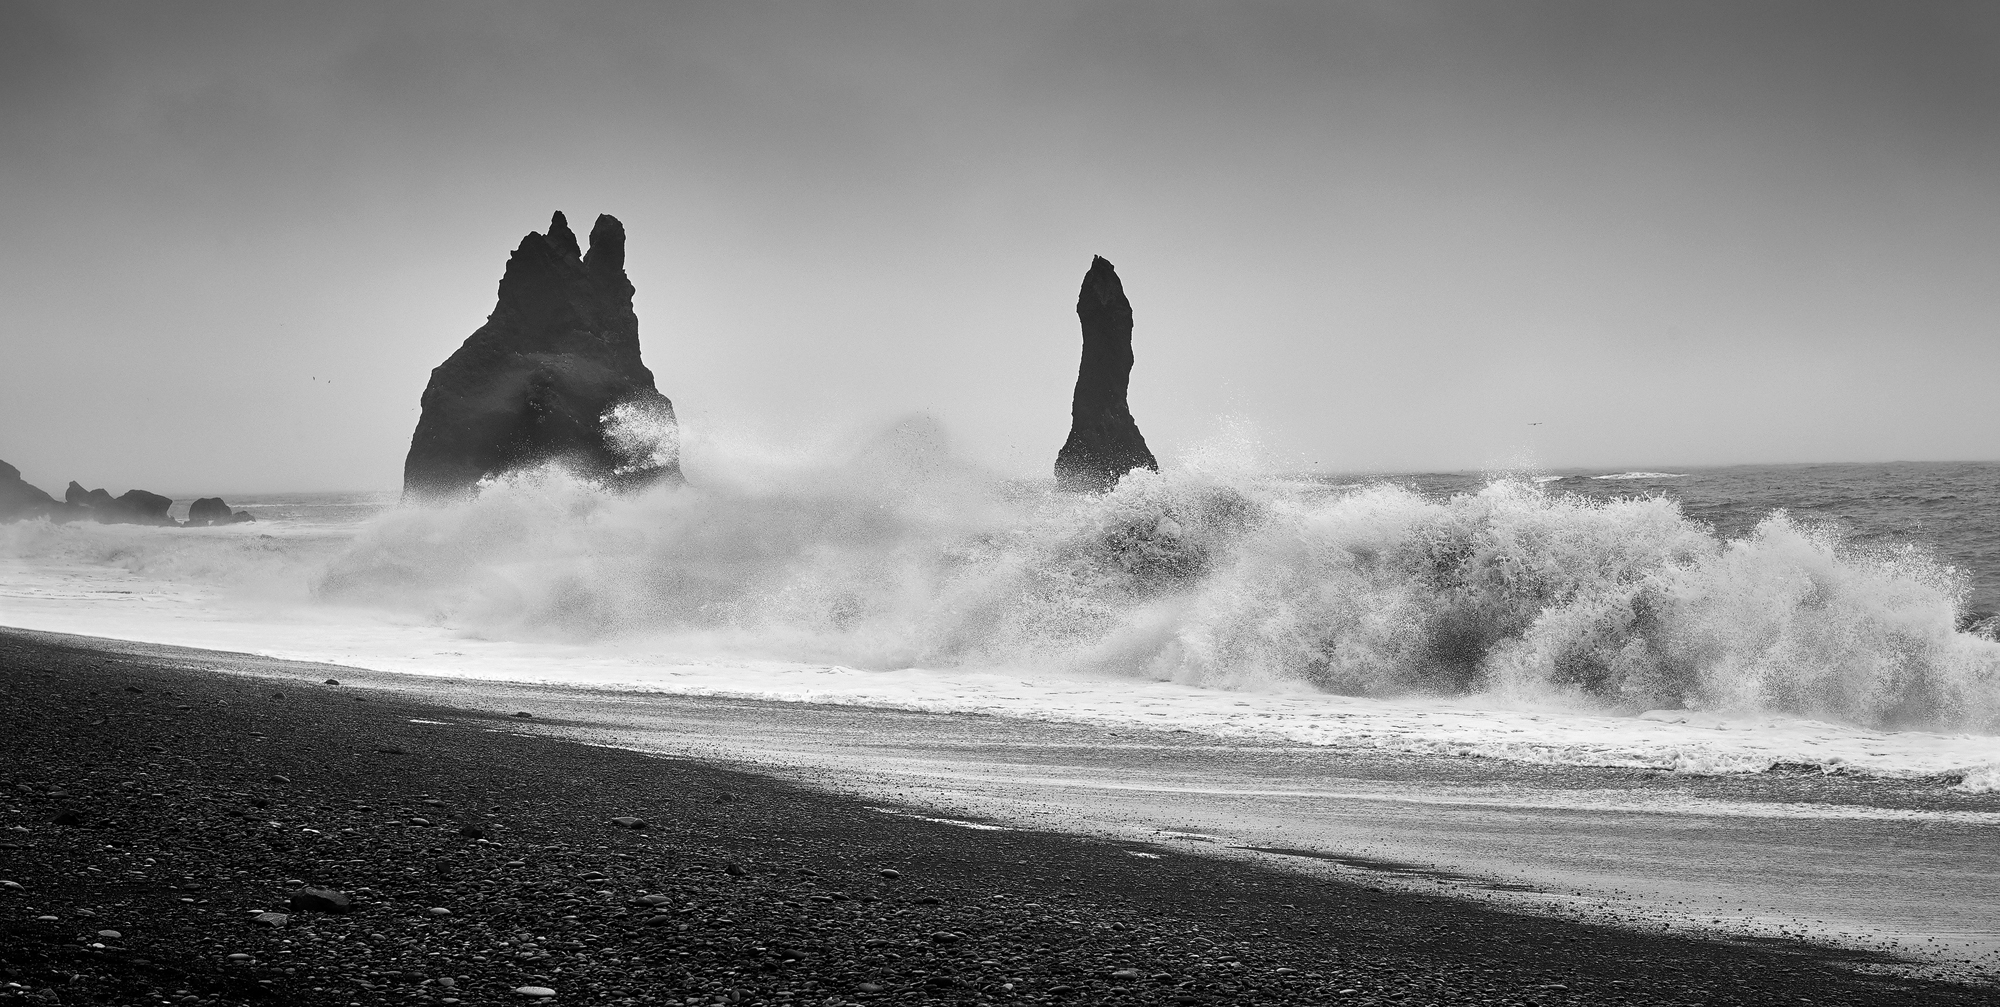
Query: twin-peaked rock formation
{"points": [[553, 376], [1104, 441]]}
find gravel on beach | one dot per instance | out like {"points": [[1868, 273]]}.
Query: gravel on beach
{"points": [[175, 835]]}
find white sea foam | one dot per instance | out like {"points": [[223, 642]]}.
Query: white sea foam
{"points": [[1515, 622]]}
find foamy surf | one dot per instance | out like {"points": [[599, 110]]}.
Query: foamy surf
{"points": [[1516, 622]]}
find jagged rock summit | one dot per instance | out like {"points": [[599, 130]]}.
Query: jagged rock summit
{"points": [[1104, 441], [553, 376]]}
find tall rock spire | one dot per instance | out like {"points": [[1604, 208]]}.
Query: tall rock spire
{"points": [[1104, 441], [553, 376]]}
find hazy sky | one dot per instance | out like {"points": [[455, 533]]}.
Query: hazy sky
{"points": [[234, 238]]}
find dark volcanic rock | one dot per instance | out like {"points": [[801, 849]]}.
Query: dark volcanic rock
{"points": [[1104, 441], [553, 376], [20, 501], [208, 511], [319, 900], [81, 497], [135, 507]]}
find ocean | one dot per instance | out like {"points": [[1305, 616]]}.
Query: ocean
{"points": [[1710, 621]]}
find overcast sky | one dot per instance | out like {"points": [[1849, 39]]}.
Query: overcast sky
{"points": [[234, 238]]}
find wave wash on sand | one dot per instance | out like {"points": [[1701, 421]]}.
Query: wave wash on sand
{"points": [[1516, 621]]}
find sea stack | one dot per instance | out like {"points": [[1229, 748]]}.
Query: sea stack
{"points": [[209, 511], [553, 376], [1104, 441]]}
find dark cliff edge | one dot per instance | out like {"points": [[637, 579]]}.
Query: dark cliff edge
{"points": [[21, 501], [554, 376], [1104, 441]]}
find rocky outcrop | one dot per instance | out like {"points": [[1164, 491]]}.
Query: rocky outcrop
{"points": [[131, 507], [1104, 441], [208, 511], [77, 496], [135, 507], [553, 376], [20, 501], [212, 511]]}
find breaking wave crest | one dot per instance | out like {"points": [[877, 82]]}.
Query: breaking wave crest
{"points": [[906, 558]]}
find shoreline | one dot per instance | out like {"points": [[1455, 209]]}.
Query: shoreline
{"points": [[973, 915], [1904, 868]]}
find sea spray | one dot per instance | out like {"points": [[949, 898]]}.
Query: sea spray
{"points": [[1518, 593]]}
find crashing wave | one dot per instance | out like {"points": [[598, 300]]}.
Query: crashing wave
{"points": [[1517, 592]]}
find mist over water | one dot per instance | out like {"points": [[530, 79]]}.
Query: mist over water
{"points": [[1513, 593]]}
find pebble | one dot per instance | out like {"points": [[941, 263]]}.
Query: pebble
{"points": [[438, 911], [113, 934], [890, 873], [271, 919], [535, 991], [239, 957], [629, 822], [333, 681], [525, 715], [319, 900]]}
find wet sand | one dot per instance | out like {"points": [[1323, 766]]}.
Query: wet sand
{"points": [[1111, 903]]}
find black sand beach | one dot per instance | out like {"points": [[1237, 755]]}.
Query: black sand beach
{"points": [[156, 808]]}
